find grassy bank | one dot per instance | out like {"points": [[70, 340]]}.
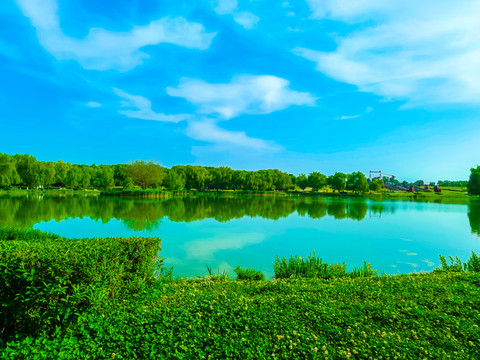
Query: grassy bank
{"points": [[313, 311]]}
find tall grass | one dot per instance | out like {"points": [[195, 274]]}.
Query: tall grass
{"points": [[455, 264], [313, 267]]}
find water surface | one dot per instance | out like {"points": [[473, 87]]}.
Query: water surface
{"points": [[222, 232]]}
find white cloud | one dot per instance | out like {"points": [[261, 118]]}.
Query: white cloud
{"points": [[103, 49], [143, 109], [424, 52], [246, 19], [230, 7], [207, 130], [93, 104], [226, 7], [246, 94], [346, 117]]}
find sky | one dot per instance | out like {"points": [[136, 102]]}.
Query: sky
{"points": [[305, 85]]}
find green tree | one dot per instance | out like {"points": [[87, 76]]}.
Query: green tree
{"points": [[145, 174], [221, 177], [61, 170], [473, 185], [175, 181], [72, 179], [47, 173], [28, 169], [376, 185], [302, 181], [103, 177], [357, 182], [316, 180], [337, 181], [8, 171]]}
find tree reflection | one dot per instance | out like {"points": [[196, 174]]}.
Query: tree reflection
{"points": [[474, 217], [147, 214]]}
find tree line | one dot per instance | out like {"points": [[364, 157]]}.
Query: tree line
{"points": [[23, 170]]}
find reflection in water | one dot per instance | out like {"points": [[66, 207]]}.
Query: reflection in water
{"points": [[147, 214], [239, 230], [474, 217]]}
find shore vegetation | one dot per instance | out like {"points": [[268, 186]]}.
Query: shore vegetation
{"points": [[112, 299]]}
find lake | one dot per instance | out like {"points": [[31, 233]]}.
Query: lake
{"points": [[396, 236]]}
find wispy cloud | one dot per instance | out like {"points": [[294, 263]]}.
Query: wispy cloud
{"points": [[346, 117], [93, 104], [207, 130], [246, 94], [424, 52], [103, 49], [230, 7], [143, 109]]}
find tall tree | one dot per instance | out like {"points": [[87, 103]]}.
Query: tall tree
{"points": [[376, 185], [473, 185], [337, 181], [103, 177], [357, 182], [175, 181], [145, 173], [302, 181], [28, 169], [8, 172], [317, 180]]}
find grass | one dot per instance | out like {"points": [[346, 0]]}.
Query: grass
{"points": [[312, 310]]}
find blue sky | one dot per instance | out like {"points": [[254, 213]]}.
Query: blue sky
{"points": [[305, 85]]}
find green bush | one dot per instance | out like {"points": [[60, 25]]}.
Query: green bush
{"points": [[313, 267], [310, 267], [9, 233], [46, 284], [248, 274], [456, 264]]}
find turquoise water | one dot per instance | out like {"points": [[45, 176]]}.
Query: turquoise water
{"points": [[395, 236]]}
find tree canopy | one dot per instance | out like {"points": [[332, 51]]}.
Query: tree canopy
{"points": [[474, 181]]}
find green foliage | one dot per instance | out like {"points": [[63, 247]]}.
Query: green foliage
{"points": [[456, 264], [376, 185], [408, 317], [248, 274], [337, 181], [317, 180], [175, 181], [302, 181], [313, 267], [8, 171], [145, 174], [9, 233], [47, 281], [94, 299], [357, 182], [474, 181]]}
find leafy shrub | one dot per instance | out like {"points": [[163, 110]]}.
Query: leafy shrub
{"points": [[46, 283], [314, 267], [9, 233], [365, 271], [310, 267], [248, 274], [456, 265]]}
